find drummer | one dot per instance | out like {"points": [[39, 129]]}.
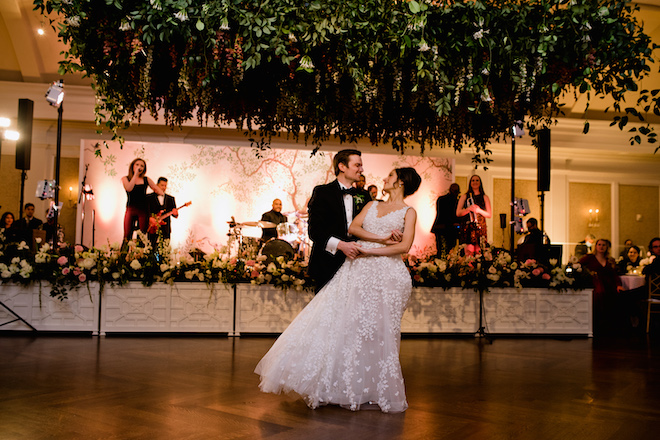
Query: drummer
{"points": [[273, 216]]}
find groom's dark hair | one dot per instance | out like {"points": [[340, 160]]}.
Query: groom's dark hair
{"points": [[342, 157]]}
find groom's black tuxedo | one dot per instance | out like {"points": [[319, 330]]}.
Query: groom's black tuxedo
{"points": [[327, 218]]}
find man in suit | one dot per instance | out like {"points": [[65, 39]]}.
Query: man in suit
{"points": [[331, 209], [445, 226], [27, 224], [161, 205]]}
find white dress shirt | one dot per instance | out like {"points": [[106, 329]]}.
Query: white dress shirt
{"points": [[333, 242]]}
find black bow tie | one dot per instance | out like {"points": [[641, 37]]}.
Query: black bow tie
{"points": [[350, 191]]}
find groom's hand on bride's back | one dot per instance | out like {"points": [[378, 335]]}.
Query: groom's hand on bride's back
{"points": [[350, 248]]}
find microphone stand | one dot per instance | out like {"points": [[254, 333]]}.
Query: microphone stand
{"points": [[81, 198], [481, 331]]}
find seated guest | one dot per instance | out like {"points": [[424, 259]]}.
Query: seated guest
{"points": [[654, 250], [608, 316], [274, 216], [8, 228], [630, 261], [626, 246], [27, 224], [49, 227], [585, 246]]}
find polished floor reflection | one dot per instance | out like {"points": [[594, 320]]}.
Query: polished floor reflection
{"points": [[72, 387]]}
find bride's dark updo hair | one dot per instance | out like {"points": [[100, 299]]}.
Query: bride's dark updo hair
{"points": [[410, 179]]}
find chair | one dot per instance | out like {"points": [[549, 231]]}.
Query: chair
{"points": [[653, 302]]}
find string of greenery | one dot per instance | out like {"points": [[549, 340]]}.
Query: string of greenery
{"points": [[411, 72]]}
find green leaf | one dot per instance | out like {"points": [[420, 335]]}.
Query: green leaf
{"points": [[199, 25]]}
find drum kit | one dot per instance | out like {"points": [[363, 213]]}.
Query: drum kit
{"points": [[292, 239]]}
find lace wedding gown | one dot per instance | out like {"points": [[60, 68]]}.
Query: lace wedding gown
{"points": [[343, 348]]}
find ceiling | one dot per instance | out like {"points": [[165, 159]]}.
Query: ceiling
{"points": [[28, 62]]}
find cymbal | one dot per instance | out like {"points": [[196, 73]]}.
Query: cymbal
{"points": [[259, 224]]}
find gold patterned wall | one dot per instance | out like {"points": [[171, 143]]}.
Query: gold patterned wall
{"points": [[10, 190], [69, 179], [581, 198], [638, 213], [462, 182], [501, 202]]}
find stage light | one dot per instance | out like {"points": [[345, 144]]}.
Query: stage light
{"points": [[55, 96], [55, 93], [40, 31], [88, 192], [5, 122], [517, 129]]}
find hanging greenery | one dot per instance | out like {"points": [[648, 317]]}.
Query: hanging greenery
{"points": [[428, 72]]}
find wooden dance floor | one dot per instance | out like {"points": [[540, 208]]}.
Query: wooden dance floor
{"points": [[143, 387]]}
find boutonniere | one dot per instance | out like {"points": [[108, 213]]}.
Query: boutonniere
{"points": [[358, 198]]}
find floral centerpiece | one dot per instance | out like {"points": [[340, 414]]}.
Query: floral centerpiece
{"points": [[430, 72]]}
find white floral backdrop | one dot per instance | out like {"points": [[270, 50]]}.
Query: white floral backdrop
{"points": [[226, 181]]}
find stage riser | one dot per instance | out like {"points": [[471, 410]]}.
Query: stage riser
{"points": [[197, 308]]}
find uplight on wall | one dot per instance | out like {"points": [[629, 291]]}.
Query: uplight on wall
{"points": [[594, 218], [10, 135]]}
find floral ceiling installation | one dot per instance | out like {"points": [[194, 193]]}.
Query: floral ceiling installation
{"points": [[428, 72]]}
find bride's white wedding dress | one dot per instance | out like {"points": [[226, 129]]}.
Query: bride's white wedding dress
{"points": [[343, 348]]}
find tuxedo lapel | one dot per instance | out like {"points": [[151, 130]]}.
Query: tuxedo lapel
{"points": [[339, 197]]}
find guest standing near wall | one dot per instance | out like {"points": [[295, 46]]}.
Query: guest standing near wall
{"points": [[607, 308]]}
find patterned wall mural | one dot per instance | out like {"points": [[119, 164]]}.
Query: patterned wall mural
{"points": [[225, 181]]}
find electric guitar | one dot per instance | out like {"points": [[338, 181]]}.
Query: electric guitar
{"points": [[156, 221]]}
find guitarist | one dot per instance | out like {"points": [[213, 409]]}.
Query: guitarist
{"points": [[159, 205]]}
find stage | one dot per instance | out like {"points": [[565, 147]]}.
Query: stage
{"points": [[195, 307]]}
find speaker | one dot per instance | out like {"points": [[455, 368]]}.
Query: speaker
{"points": [[503, 221], [543, 149], [24, 126]]}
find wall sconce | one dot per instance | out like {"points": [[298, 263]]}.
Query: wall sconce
{"points": [[594, 218], [72, 202]]}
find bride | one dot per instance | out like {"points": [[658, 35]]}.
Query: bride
{"points": [[343, 348]]}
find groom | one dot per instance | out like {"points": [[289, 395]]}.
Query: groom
{"points": [[331, 208]]}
